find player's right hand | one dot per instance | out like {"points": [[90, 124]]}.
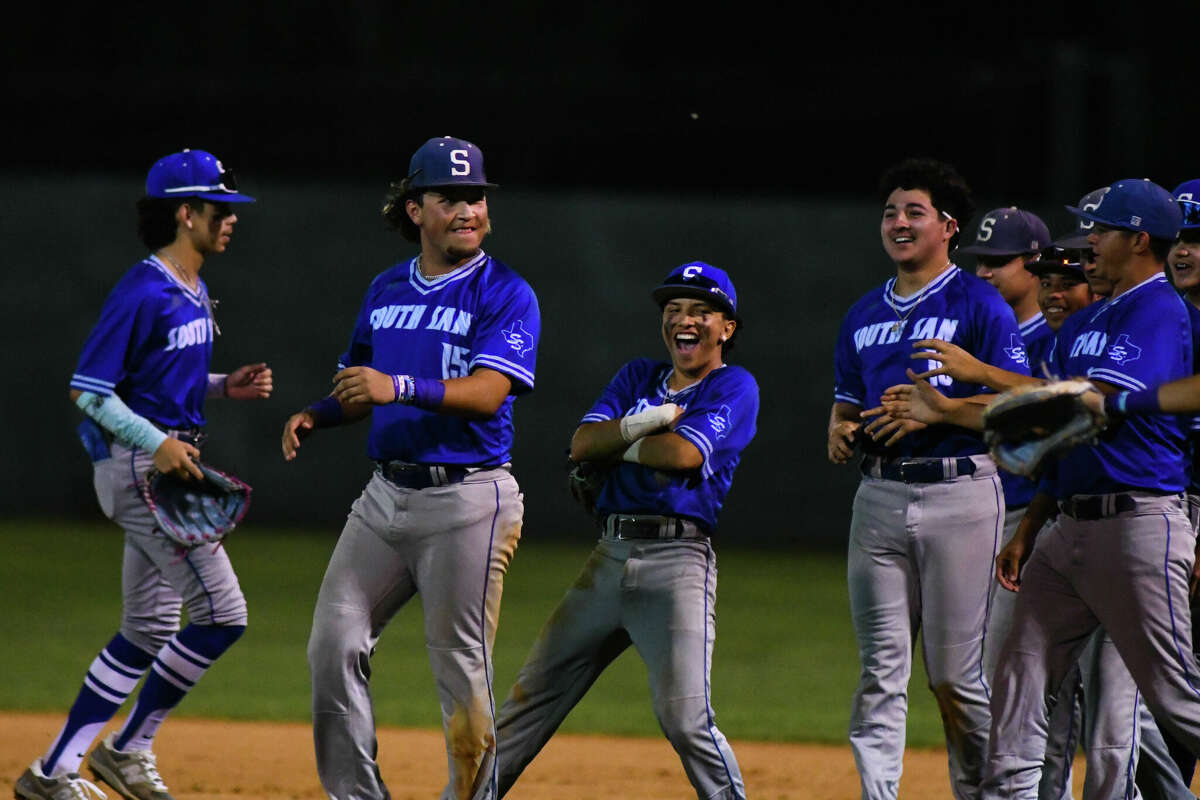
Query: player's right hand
{"points": [[1012, 558], [841, 440], [178, 457], [297, 427]]}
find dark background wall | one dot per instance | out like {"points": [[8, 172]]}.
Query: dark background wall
{"points": [[627, 140]]}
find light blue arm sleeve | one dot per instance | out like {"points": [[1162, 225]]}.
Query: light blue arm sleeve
{"points": [[111, 413]]}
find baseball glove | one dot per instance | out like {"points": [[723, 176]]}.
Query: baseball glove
{"points": [[585, 479], [1026, 425], [195, 512]]}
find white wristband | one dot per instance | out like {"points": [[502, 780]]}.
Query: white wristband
{"points": [[633, 452], [216, 385], [635, 426], [121, 421]]}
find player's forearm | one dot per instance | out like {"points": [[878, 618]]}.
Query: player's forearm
{"points": [[665, 451], [843, 412], [1002, 380], [1039, 511], [478, 395], [1181, 396], [595, 441], [111, 413]]}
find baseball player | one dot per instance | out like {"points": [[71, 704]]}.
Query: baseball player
{"points": [[1117, 728], [142, 381], [1007, 240], [675, 431], [1120, 552], [928, 513], [1183, 267], [444, 342]]}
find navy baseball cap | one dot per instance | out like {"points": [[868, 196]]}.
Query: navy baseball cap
{"points": [[1187, 194], [1009, 232], [1136, 204], [697, 279], [1077, 239], [446, 161], [193, 173], [1058, 260]]}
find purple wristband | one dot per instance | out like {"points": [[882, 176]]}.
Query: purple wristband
{"points": [[327, 412], [1144, 401], [428, 393]]}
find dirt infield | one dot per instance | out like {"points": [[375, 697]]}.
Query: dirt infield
{"points": [[220, 760]]}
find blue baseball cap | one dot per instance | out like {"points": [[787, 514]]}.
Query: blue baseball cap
{"points": [[1187, 194], [697, 279], [1077, 239], [1058, 260], [193, 173], [1009, 232], [1136, 204], [446, 161]]}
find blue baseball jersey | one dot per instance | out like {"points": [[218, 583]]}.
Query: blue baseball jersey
{"points": [[1038, 339], [1193, 422], [483, 314], [875, 346], [152, 347], [1139, 339], [719, 418]]}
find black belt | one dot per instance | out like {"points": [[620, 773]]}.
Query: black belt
{"points": [[647, 526], [421, 476], [927, 470], [196, 437], [1097, 506]]}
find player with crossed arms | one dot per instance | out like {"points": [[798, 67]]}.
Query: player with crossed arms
{"points": [[443, 344], [142, 379], [673, 434]]}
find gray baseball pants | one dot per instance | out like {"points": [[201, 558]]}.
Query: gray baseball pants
{"points": [[159, 577], [1065, 724], [452, 544], [921, 562], [1128, 573], [658, 596]]}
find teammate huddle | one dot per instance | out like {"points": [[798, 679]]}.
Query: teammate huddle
{"points": [[1094, 560], [1051, 612], [443, 344]]}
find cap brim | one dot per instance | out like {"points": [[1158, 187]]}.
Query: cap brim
{"points": [[1040, 268], [423, 187], [1076, 241], [984, 250], [670, 291], [225, 197]]}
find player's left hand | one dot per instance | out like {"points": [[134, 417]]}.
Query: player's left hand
{"points": [[955, 362], [885, 425], [251, 382], [363, 385]]}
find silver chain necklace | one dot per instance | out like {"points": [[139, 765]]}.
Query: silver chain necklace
{"points": [[898, 325]]}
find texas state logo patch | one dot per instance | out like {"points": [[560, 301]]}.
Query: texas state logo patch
{"points": [[519, 339]]}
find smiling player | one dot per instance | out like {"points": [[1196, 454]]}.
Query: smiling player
{"points": [[928, 513], [442, 345], [673, 434]]}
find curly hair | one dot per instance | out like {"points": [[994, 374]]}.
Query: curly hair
{"points": [[394, 211], [948, 191], [156, 225]]}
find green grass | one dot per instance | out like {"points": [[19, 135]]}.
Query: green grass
{"points": [[785, 664]]}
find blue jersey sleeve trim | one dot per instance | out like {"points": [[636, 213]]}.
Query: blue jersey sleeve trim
{"points": [[702, 444], [95, 385], [508, 367], [1115, 378], [594, 418], [847, 398]]}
